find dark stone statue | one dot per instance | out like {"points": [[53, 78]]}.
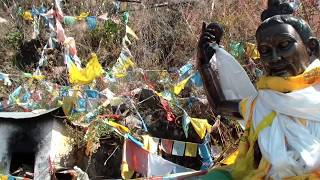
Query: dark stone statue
{"points": [[286, 45], [287, 48]]}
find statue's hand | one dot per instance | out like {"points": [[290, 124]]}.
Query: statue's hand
{"points": [[210, 36]]}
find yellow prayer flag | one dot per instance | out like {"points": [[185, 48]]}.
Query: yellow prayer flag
{"points": [[126, 173], [119, 126], [146, 141], [191, 149], [231, 158], [82, 16], [3, 177], [120, 69], [252, 51], [27, 16], [180, 86], [87, 75], [68, 103], [131, 32], [150, 143], [201, 126]]}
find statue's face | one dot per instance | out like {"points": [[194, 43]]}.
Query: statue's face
{"points": [[282, 51]]}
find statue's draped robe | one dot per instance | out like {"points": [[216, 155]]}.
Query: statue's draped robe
{"points": [[284, 118]]}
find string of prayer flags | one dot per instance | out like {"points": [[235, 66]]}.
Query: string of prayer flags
{"points": [[201, 126], [177, 148], [59, 12], [87, 75], [166, 94], [140, 160]]}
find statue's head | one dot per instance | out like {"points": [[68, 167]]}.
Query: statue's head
{"points": [[285, 42]]}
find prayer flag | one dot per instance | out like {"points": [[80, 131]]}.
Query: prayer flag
{"points": [[119, 126], [197, 80], [181, 85], [82, 16], [231, 158], [87, 75], [237, 49], [252, 51], [201, 126], [92, 22], [166, 145], [5, 77], [68, 104], [151, 143], [69, 20], [103, 17], [135, 157], [131, 32], [185, 123], [70, 45], [166, 107], [158, 166], [184, 70], [60, 32], [27, 16], [204, 152], [191, 149], [178, 148]]}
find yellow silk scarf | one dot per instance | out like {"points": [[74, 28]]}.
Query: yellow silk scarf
{"points": [[292, 83]]}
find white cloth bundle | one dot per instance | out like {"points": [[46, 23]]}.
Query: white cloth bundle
{"points": [[234, 80]]}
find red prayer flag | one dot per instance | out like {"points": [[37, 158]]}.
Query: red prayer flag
{"points": [[166, 107], [166, 145], [136, 157]]}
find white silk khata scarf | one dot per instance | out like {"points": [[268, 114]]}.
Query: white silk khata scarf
{"points": [[290, 135]]}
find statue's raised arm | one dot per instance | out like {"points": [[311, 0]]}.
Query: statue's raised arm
{"points": [[225, 81]]}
